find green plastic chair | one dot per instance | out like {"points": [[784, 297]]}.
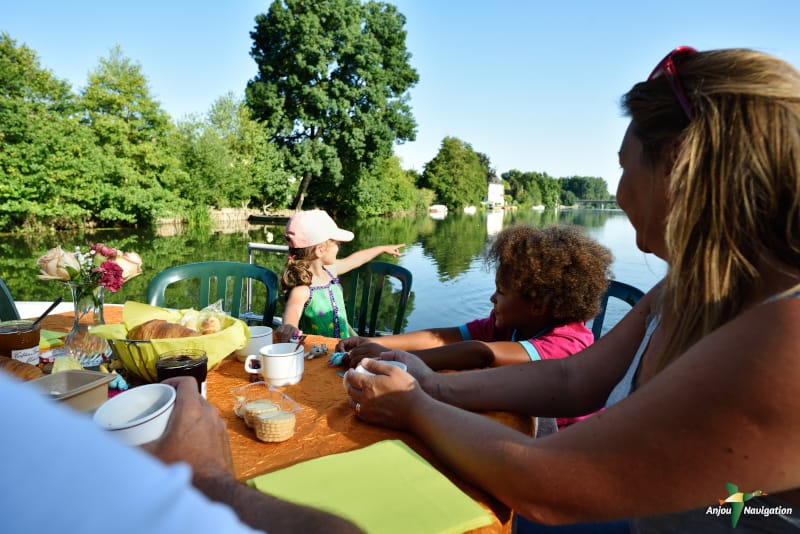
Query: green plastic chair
{"points": [[8, 310], [620, 290], [221, 273], [370, 279]]}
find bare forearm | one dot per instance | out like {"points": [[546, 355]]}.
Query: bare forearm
{"points": [[267, 513], [420, 339]]}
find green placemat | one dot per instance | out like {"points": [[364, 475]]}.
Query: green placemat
{"points": [[385, 487]]}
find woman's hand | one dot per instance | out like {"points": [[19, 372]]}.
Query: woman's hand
{"points": [[386, 399], [349, 343], [368, 349]]}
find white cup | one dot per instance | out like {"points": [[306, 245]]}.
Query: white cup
{"points": [[281, 364], [363, 371], [259, 337]]}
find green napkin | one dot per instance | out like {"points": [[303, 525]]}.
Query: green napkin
{"points": [[385, 487], [49, 339]]}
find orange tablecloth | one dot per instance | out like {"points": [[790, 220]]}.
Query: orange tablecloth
{"points": [[325, 425]]}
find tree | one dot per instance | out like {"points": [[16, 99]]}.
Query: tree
{"points": [[134, 134], [331, 89], [47, 159], [585, 187], [456, 174], [229, 160]]}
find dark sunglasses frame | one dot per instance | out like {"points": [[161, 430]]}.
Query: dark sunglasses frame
{"points": [[666, 67]]}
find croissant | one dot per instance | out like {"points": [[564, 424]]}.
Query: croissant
{"points": [[22, 370], [160, 329]]}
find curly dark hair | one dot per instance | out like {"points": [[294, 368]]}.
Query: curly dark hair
{"points": [[560, 263], [296, 272]]}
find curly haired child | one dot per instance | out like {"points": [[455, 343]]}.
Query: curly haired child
{"points": [[548, 283], [314, 299]]}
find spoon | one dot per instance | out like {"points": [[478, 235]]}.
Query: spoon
{"points": [[300, 341], [48, 310]]}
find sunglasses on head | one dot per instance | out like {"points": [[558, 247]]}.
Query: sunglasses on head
{"points": [[666, 67]]}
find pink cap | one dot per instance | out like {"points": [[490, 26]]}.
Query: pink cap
{"points": [[309, 228]]}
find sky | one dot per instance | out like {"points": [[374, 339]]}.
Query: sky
{"points": [[534, 85]]}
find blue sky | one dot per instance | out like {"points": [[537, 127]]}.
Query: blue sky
{"points": [[534, 85]]}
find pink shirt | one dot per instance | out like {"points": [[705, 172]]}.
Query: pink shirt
{"points": [[560, 342]]}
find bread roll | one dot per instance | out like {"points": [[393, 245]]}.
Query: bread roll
{"points": [[21, 370], [210, 325], [160, 329]]}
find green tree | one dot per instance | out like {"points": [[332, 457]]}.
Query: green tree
{"points": [[586, 187], [134, 133], [48, 161], [456, 174], [229, 160], [331, 89]]}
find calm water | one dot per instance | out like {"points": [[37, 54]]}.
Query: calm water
{"points": [[447, 257]]}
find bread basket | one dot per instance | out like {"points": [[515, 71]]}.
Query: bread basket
{"points": [[139, 357]]}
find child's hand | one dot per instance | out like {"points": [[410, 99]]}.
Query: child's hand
{"points": [[393, 250], [284, 333]]}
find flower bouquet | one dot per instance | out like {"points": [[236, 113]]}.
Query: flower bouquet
{"points": [[88, 273]]}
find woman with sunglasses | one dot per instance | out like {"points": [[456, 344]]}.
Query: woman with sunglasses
{"points": [[700, 379]]}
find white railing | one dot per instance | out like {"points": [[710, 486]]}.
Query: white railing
{"points": [[249, 315]]}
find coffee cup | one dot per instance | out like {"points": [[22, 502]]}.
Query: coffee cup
{"points": [[279, 364], [259, 337]]}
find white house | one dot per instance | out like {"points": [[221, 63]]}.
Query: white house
{"points": [[494, 196]]}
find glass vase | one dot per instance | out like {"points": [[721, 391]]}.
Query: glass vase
{"points": [[90, 350]]}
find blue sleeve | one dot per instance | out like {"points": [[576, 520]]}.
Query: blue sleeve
{"points": [[464, 331], [530, 349]]}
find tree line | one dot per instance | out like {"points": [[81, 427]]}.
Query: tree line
{"points": [[316, 126]]}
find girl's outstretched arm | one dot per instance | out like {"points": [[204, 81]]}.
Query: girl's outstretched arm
{"points": [[360, 257]]}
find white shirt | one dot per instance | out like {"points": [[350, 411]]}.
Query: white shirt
{"points": [[62, 473]]}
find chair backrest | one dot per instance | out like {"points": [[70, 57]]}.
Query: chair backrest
{"points": [[239, 274], [370, 278], [620, 290], [8, 310]]}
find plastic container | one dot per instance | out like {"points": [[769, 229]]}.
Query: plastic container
{"points": [[81, 390]]}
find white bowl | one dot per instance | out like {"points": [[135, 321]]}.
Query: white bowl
{"points": [[138, 415]]}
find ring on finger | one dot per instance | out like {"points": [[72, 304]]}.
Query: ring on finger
{"points": [[358, 408]]}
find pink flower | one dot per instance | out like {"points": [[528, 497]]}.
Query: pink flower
{"points": [[107, 252], [110, 276]]}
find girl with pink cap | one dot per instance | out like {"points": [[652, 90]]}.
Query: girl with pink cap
{"points": [[314, 299]]}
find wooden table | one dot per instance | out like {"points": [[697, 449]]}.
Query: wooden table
{"points": [[325, 425]]}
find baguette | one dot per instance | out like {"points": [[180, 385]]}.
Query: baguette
{"points": [[22, 370], [160, 329]]}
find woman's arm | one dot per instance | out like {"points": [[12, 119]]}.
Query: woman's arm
{"points": [[725, 411], [472, 354], [360, 257]]}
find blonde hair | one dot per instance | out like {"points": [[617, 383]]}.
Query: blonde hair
{"points": [[297, 271], [734, 195]]}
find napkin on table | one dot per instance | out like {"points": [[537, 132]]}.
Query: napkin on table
{"points": [[385, 487]]}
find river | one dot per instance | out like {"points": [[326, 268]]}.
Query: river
{"points": [[452, 283]]}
